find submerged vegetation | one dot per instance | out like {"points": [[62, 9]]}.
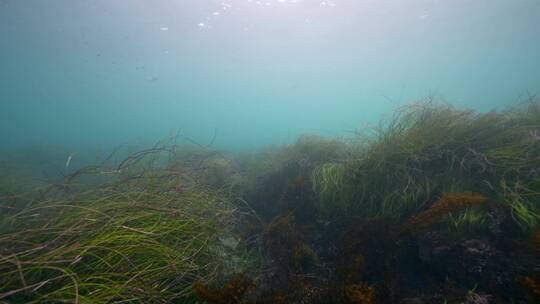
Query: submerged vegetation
{"points": [[436, 205], [143, 234]]}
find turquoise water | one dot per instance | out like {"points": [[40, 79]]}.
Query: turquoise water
{"points": [[90, 74]]}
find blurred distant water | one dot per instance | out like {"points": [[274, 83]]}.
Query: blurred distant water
{"points": [[88, 74]]}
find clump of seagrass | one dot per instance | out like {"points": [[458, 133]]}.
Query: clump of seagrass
{"points": [[142, 235], [450, 202], [427, 149], [328, 181], [469, 222]]}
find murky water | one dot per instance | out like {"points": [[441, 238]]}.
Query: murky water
{"points": [[275, 151], [98, 73]]}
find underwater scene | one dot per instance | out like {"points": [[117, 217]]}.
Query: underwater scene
{"points": [[272, 151]]}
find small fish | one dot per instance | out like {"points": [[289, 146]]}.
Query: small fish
{"points": [[70, 157]]}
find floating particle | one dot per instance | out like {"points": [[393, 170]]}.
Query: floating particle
{"points": [[152, 78]]}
